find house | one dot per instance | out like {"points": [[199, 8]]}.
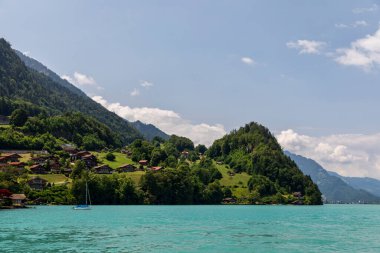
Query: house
{"points": [[3, 160], [5, 193], [297, 195], [38, 159], [12, 157], [103, 169], [90, 160], [67, 171], [17, 164], [18, 200], [185, 154], [126, 152], [78, 155], [126, 168], [38, 169], [4, 197], [37, 183], [143, 162], [68, 148], [229, 201], [157, 168]]}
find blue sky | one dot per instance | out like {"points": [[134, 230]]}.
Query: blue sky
{"points": [[308, 70]]}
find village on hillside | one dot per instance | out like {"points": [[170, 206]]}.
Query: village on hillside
{"points": [[41, 166]]}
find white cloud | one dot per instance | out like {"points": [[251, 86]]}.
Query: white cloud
{"points": [[360, 23], [167, 120], [307, 46], [27, 53], [356, 24], [146, 84], [135, 92], [82, 81], [247, 60], [341, 26], [347, 154], [364, 52], [372, 8]]}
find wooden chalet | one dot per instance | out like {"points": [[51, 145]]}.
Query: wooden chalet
{"points": [[103, 169], [38, 159], [90, 160], [126, 168], [156, 168], [143, 162], [18, 200], [38, 169], [67, 171], [11, 157], [37, 183]]}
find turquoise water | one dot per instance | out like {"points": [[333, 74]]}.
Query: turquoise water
{"points": [[328, 228]]}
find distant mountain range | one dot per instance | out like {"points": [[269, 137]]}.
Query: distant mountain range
{"points": [[33, 85], [368, 184], [335, 188]]}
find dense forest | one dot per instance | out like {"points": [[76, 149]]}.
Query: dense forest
{"points": [[50, 133]]}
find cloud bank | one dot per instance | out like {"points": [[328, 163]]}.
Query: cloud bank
{"points": [[168, 121], [363, 53], [346, 154]]}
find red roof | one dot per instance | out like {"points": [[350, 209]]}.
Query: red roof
{"points": [[35, 166], [16, 163], [156, 168], [5, 192]]}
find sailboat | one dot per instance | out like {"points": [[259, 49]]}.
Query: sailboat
{"points": [[86, 206]]}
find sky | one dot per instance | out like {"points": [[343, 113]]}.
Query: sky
{"points": [[308, 70]]}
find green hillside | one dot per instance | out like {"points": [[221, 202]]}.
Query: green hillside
{"points": [[274, 176]]}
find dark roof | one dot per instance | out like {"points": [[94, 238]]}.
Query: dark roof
{"points": [[11, 154], [102, 166]]}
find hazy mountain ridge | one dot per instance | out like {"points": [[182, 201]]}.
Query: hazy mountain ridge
{"points": [[368, 184], [149, 131], [334, 189]]}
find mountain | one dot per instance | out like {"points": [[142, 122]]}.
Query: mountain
{"points": [[39, 67], [334, 189], [368, 184], [29, 87], [149, 131], [275, 178]]}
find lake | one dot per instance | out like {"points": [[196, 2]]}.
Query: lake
{"points": [[328, 228]]}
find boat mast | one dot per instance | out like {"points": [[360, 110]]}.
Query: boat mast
{"points": [[86, 192]]}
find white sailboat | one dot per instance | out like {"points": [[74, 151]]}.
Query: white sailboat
{"points": [[87, 205]]}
